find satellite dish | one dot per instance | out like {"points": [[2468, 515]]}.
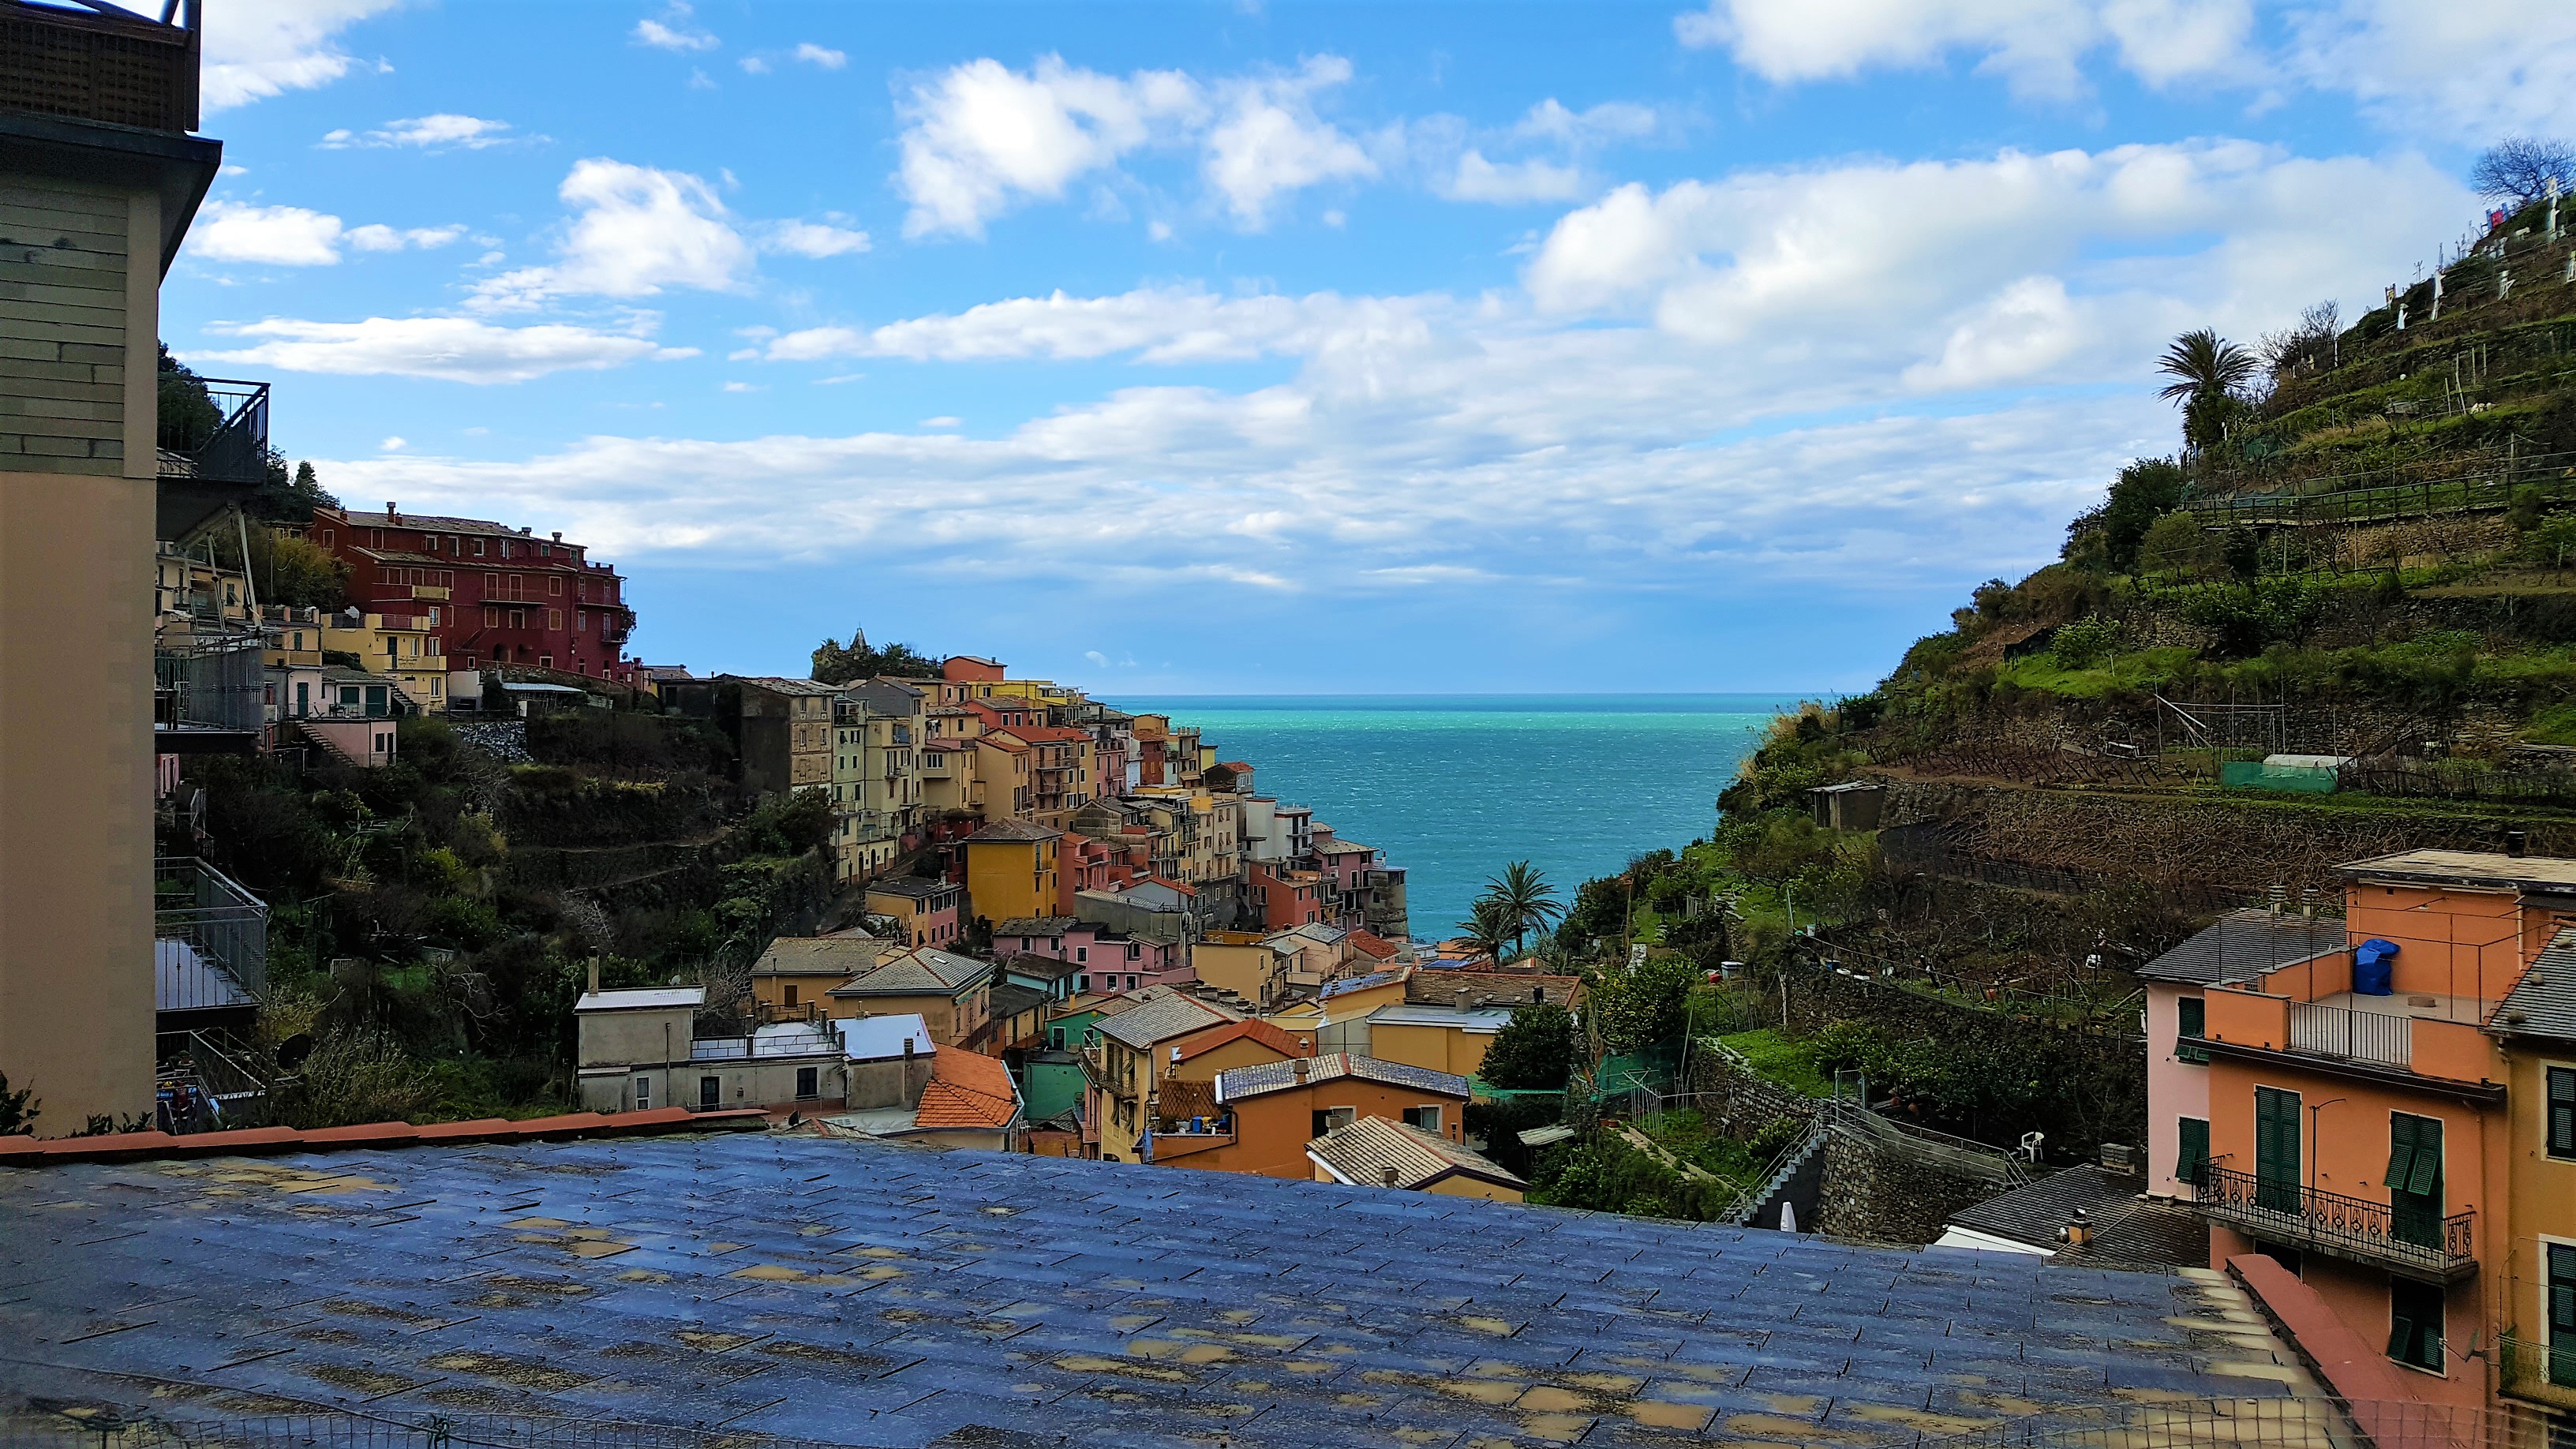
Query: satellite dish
{"points": [[292, 1051]]}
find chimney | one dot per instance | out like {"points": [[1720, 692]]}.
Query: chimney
{"points": [[594, 976], [1299, 1065], [2515, 842], [558, 535], [392, 514], [1386, 1175], [2078, 1230]]}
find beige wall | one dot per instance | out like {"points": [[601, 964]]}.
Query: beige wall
{"points": [[621, 1038], [1474, 1187], [1440, 1048], [76, 578]]}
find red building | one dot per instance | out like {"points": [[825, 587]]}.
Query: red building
{"points": [[494, 595]]}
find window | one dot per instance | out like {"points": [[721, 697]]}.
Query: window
{"points": [[710, 1093], [554, 586], [554, 620], [1426, 1118], [269, 694], [1131, 983], [1082, 953], [2561, 1127], [1332, 1117], [2415, 1178], [808, 1083], [2562, 1315], [643, 1094], [2193, 1154], [1082, 983], [2276, 1149], [791, 993], [2191, 1023], [545, 661], [2415, 1324], [478, 548]]}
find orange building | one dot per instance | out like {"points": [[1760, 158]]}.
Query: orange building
{"points": [[2357, 1126], [1268, 1113]]}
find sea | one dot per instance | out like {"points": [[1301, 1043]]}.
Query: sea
{"points": [[1454, 787]]}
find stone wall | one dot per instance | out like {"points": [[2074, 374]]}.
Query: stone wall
{"points": [[1736, 1100], [1896, 1191]]}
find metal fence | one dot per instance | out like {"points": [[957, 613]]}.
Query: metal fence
{"points": [[211, 681], [352, 1431], [2377, 1232], [2356, 1036], [202, 921], [2274, 1423]]}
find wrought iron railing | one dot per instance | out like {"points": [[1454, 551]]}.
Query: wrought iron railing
{"points": [[2351, 1227], [2536, 1370]]}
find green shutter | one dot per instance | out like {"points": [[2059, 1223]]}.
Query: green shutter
{"points": [[2191, 1015], [2276, 1149], [2194, 1155], [2414, 1154], [2562, 1112], [2401, 1151]]}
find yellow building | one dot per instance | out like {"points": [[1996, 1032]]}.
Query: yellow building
{"points": [[793, 975], [401, 647], [1005, 789], [2534, 1288], [1249, 964], [948, 783], [952, 993], [1337, 1016], [1010, 871], [1448, 1019]]}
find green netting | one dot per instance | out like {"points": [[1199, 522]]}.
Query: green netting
{"points": [[2296, 779]]}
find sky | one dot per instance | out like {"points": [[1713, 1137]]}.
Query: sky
{"points": [[1283, 348]]}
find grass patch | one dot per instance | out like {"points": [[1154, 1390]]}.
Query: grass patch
{"points": [[1782, 1059], [2142, 669]]}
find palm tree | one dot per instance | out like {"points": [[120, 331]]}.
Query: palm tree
{"points": [[2207, 370], [1526, 900], [1488, 926]]}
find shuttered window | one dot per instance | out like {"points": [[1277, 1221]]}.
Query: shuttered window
{"points": [[2415, 1323], [2276, 1149], [2191, 1023], [2415, 1177], [2194, 1152], [2562, 1315], [2562, 1111]]}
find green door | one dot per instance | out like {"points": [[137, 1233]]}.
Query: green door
{"points": [[2276, 1149], [2415, 1178], [2562, 1315]]}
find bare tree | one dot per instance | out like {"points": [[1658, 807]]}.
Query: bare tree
{"points": [[2313, 344], [2519, 168]]}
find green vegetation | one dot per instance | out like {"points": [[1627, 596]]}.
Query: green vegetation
{"points": [[836, 663], [1787, 1060]]}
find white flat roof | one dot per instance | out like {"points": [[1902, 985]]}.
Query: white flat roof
{"points": [[642, 998], [874, 1038]]}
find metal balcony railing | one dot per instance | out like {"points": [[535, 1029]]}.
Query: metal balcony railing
{"points": [[2536, 1371], [210, 937], [2345, 1227], [2356, 1036], [227, 443], [211, 681]]}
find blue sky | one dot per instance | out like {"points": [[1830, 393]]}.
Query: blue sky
{"points": [[1299, 348]]}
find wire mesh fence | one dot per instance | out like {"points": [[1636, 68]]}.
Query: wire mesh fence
{"points": [[2276, 1423], [81, 1430]]}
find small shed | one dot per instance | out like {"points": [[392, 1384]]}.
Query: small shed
{"points": [[1852, 805]]}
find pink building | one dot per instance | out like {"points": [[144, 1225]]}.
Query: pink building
{"points": [[1104, 959]]}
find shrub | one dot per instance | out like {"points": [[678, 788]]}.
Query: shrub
{"points": [[1533, 1052], [2084, 643]]}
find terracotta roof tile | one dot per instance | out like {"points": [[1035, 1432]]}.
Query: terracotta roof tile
{"points": [[967, 1089], [1260, 1031]]}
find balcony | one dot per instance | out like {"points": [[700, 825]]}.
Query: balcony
{"points": [[2537, 1373], [209, 938], [2351, 1228], [2423, 1036], [117, 67]]}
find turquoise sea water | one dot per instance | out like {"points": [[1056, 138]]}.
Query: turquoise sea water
{"points": [[1453, 787]]}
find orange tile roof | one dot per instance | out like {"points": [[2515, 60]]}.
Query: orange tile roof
{"points": [[1260, 1031], [1373, 946], [967, 1089]]}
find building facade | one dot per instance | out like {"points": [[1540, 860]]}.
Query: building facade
{"points": [[492, 593]]}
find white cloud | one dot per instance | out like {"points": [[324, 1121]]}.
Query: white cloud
{"points": [[456, 349], [2469, 70], [980, 137], [828, 59], [2035, 45], [1511, 183], [814, 239], [673, 31], [285, 236], [445, 131], [1268, 140], [943, 422], [1596, 126], [753, 65], [638, 231], [294, 236], [254, 51], [1159, 325]]}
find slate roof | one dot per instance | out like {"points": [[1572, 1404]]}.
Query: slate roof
{"points": [[843, 955], [2244, 944], [1009, 1000], [1489, 988], [1242, 1083], [1150, 1021], [869, 1293], [918, 971], [910, 887], [2543, 1002], [1362, 983], [1038, 926], [1018, 831], [1363, 1153]]}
